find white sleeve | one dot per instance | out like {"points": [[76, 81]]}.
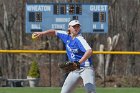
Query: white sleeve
{"points": [[83, 43]]}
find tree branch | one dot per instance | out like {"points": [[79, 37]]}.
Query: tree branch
{"points": [[1, 26]]}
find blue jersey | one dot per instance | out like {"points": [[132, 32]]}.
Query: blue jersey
{"points": [[75, 47]]}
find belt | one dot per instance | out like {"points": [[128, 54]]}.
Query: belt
{"points": [[85, 67], [82, 67]]}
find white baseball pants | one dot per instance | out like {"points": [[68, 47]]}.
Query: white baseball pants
{"points": [[88, 77]]}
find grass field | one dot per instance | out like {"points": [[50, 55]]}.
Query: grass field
{"points": [[57, 90]]}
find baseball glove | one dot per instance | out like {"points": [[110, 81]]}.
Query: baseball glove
{"points": [[69, 66]]}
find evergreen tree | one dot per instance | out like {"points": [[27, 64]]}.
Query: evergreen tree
{"points": [[34, 70]]}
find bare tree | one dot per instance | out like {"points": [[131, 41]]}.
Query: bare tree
{"points": [[105, 61], [9, 33]]}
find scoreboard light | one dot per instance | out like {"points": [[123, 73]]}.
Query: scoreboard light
{"points": [[56, 9], [41, 17]]}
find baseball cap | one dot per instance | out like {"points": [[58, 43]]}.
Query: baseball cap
{"points": [[74, 22]]}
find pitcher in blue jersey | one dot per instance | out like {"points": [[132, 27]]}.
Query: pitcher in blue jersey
{"points": [[78, 50]]}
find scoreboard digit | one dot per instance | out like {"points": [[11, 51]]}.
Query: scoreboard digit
{"points": [[41, 17]]}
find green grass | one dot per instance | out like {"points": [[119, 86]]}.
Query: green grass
{"points": [[57, 90]]}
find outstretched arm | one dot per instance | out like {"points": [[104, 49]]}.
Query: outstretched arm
{"points": [[48, 32]]}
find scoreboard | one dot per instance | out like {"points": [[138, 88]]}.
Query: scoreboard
{"points": [[41, 17]]}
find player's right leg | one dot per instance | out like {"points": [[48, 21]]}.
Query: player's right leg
{"points": [[70, 82]]}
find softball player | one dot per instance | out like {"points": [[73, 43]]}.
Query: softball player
{"points": [[78, 50]]}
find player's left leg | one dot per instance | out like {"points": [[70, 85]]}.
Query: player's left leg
{"points": [[70, 82], [89, 80]]}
